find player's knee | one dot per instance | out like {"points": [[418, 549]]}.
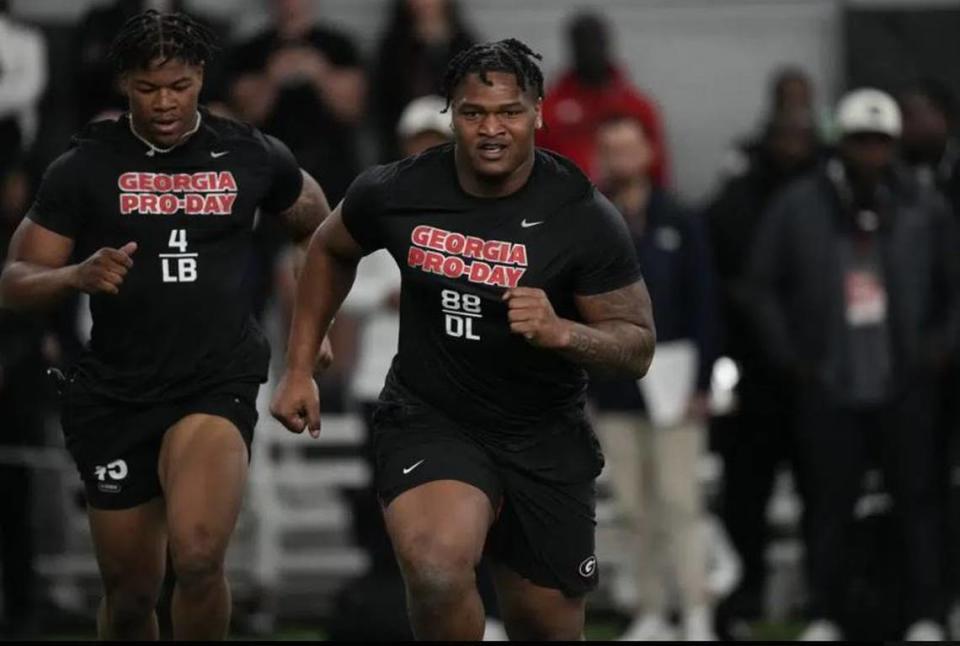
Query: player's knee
{"points": [[197, 561], [435, 565]]}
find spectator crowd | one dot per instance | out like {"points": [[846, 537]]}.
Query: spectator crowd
{"points": [[824, 265]]}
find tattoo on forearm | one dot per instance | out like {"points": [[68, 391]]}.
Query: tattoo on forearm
{"points": [[308, 211], [613, 346], [617, 335]]}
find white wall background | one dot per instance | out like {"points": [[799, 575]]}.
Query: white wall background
{"points": [[706, 62]]}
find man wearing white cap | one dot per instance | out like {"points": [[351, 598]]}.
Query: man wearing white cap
{"points": [[854, 283], [424, 123]]}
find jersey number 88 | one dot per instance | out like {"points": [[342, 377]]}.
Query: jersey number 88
{"points": [[459, 310]]}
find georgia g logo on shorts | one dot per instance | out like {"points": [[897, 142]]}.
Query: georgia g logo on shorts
{"points": [[116, 470], [588, 567]]}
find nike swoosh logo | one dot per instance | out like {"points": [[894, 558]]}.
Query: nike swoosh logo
{"points": [[219, 154], [527, 225], [412, 467]]}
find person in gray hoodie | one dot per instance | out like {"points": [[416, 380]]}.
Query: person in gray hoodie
{"points": [[855, 282]]}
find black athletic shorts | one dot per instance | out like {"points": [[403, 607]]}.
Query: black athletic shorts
{"points": [[543, 488], [116, 444]]}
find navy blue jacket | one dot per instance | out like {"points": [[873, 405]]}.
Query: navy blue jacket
{"points": [[677, 268]]}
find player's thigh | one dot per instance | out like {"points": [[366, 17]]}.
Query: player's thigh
{"points": [[203, 472], [130, 546], [441, 520], [534, 612]]}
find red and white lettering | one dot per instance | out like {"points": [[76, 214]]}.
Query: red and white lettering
{"points": [[433, 262], [226, 202], [127, 182], [437, 236], [226, 182], [193, 204], [453, 267], [479, 272], [128, 202], [421, 235], [169, 204], [455, 243], [181, 182], [473, 247], [490, 256], [211, 205], [514, 274], [416, 256], [492, 250], [518, 255], [148, 203], [498, 277]]}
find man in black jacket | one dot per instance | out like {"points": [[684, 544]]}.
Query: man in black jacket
{"points": [[856, 279], [755, 439]]}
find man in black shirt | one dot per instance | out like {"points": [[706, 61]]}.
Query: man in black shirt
{"points": [[159, 411], [516, 275], [303, 82]]}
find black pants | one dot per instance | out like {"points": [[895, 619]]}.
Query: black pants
{"points": [[835, 443], [753, 443], [21, 419]]}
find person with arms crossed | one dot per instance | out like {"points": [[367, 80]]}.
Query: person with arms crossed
{"points": [[159, 411], [517, 275]]}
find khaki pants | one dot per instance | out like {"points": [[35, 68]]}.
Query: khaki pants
{"points": [[653, 473]]}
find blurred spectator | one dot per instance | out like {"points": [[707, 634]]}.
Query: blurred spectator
{"points": [[929, 146], [856, 279], [594, 89], [303, 83], [373, 303], [653, 464], [22, 409], [97, 93], [930, 151], [23, 74], [791, 95], [791, 89], [421, 38], [375, 298], [755, 439]]}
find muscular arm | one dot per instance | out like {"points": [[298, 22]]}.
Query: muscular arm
{"points": [[36, 273], [617, 335], [328, 273], [306, 214]]}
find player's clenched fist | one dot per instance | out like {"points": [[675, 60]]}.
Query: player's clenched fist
{"points": [[531, 314], [104, 271], [296, 402]]}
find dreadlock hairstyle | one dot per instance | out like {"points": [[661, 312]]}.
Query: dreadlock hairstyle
{"points": [[152, 35], [510, 55]]}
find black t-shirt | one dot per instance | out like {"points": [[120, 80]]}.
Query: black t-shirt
{"points": [[324, 144], [181, 320], [458, 254]]}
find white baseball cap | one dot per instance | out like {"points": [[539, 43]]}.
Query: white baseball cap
{"points": [[424, 114], [870, 111]]}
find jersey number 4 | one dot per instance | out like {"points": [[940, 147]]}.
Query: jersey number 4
{"points": [[179, 266]]}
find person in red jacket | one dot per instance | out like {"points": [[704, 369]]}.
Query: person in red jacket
{"points": [[592, 91]]}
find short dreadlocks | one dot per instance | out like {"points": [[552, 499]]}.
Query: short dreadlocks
{"points": [[152, 35], [510, 55]]}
